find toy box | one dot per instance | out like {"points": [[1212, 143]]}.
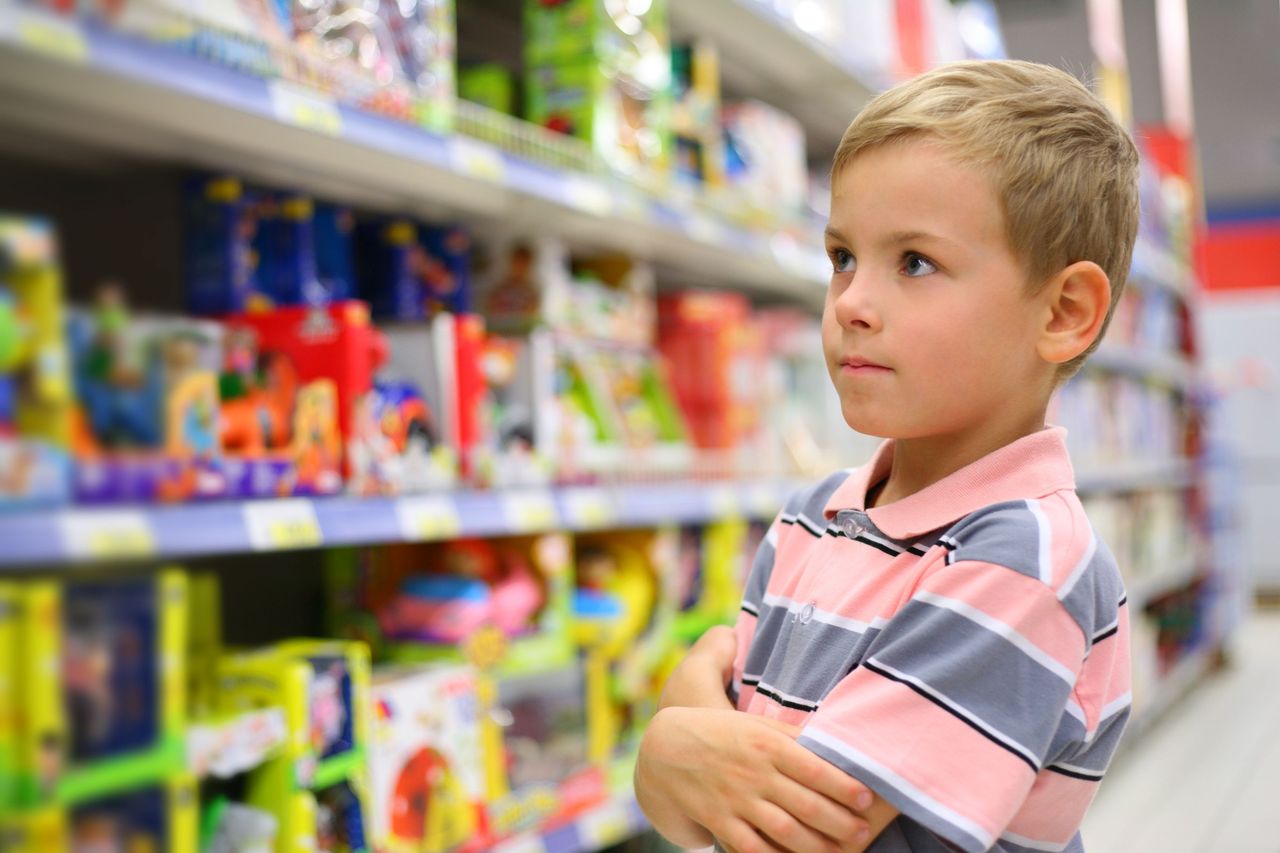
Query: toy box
{"points": [[708, 579], [695, 114], [35, 382], [103, 686], [413, 273], [430, 602], [425, 35], [765, 160], [489, 85], [512, 444], [545, 775], [316, 787], [710, 337], [627, 121], [162, 817], [621, 36], [624, 612], [427, 760], [220, 221], [10, 695], [148, 409]]}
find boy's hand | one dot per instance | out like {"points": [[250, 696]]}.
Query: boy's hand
{"points": [[747, 784], [702, 677]]}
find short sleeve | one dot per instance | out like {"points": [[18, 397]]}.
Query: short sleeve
{"points": [[951, 714], [752, 599]]}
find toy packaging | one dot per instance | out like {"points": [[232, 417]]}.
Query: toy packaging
{"points": [[316, 788], [431, 602], [220, 221], [35, 381], [413, 273], [147, 420], [427, 760], [156, 818], [695, 115], [103, 686], [490, 86], [765, 159], [624, 611], [513, 444]]}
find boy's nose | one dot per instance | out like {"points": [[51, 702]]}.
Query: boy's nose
{"points": [[855, 307]]}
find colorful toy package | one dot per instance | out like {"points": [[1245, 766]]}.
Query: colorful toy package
{"points": [[765, 159], [35, 382], [410, 272], [427, 760], [695, 114], [147, 425]]}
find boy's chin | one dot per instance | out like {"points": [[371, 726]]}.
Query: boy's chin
{"points": [[865, 424]]}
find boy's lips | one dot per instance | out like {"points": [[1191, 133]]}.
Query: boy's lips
{"points": [[860, 365]]}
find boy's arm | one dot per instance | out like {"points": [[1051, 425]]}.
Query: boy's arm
{"points": [[705, 770]]}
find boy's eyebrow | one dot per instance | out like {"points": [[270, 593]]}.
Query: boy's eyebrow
{"points": [[831, 231], [894, 238]]}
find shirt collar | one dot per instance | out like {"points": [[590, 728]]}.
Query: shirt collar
{"points": [[1034, 466]]}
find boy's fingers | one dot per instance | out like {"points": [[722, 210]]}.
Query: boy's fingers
{"points": [[821, 776], [780, 828], [741, 837], [816, 811], [719, 644]]}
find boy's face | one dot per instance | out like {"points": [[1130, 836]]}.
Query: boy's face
{"points": [[928, 328]]}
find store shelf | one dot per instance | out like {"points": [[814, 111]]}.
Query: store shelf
{"points": [[1135, 475], [60, 76], [604, 826], [1158, 367], [87, 535], [1145, 590], [1175, 684], [788, 73], [1154, 266]]}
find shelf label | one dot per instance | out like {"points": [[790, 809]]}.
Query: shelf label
{"points": [[589, 509], [51, 36], [304, 108], [588, 195], [107, 535], [723, 500], [527, 843], [428, 518], [529, 512], [605, 827], [282, 525], [476, 159]]}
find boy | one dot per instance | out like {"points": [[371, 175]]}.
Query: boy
{"points": [[940, 631]]}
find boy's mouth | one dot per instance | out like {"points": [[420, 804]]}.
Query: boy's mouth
{"points": [[857, 364]]}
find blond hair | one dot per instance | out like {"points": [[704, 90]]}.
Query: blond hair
{"points": [[1065, 171]]}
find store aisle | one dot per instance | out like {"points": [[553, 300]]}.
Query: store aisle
{"points": [[1205, 779]]}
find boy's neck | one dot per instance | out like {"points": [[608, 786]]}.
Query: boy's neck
{"points": [[920, 462]]}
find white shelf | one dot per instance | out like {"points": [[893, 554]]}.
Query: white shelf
{"points": [[94, 90], [1159, 367], [1135, 475], [766, 54], [1143, 591], [1167, 692]]}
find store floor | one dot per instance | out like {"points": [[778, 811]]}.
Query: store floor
{"points": [[1206, 778]]}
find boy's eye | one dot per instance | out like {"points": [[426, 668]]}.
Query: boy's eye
{"points": [[915, 265], [842, 261]]}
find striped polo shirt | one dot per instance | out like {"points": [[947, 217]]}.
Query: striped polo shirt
{"points": [[963, 651]]}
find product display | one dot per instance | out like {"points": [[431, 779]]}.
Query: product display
{"points": [[469, 419]]}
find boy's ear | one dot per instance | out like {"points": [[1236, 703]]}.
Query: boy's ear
{"points": [[1076, 301]]}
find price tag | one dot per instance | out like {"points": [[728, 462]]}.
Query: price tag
{"points": [[427, 519], [705, 229], [282, 525], [588, 195], [590, 509], [107, 535], [52, 37], [477, 159], [527, 843], [304, 108], [724, 501], [605, 826], [529, 512]]}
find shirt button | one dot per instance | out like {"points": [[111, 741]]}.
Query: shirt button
{"points": [[852, 528]]}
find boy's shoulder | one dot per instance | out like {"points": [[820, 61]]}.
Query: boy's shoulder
{"points": [[1050, 540]]}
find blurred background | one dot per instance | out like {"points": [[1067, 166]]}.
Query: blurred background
{"points": [[390, 390]]}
